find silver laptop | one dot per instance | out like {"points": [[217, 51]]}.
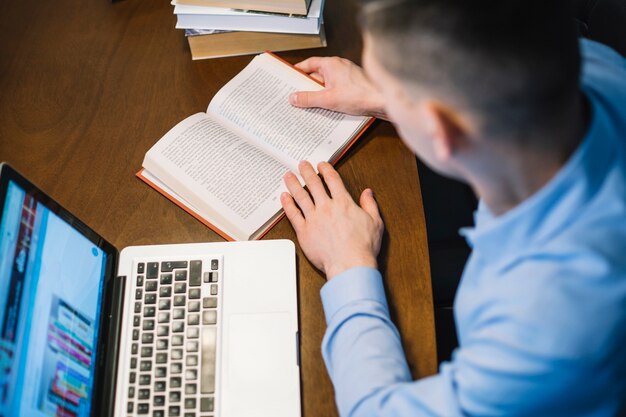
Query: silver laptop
{"points": [[208, 329]]}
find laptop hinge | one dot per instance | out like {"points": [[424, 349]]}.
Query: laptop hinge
{"points": [[298, 348], [110, 345]]}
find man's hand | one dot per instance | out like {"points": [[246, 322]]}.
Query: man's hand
{"points": [[334, 232], [347, 88]]}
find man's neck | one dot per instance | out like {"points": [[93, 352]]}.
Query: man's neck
{"points": [[520, 173]]}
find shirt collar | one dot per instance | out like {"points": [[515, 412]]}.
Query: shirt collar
{"points": [[554, 206]]}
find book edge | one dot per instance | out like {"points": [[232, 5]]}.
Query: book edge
{"points": [[187, 209]]}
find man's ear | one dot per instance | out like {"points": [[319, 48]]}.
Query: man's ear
{"points": [[445, 129]]}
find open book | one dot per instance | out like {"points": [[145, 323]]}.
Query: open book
{"points": [[225, 166]]}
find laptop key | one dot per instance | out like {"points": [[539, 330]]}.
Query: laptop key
{"points": [[171, 265], [209, 317], [161, 344], [178, 326], [130, 407], [213, 289], [190, 403], [158, 413], [135, 334], [206, 404], [148, 324], [177, 354], [193, 319], [145, 366], [153, 270], [191, 375], [174, 411], [159, 400], [176, 382], [180, 275], [179, 300], [138, 293], [174, 396], [146, 352], [214, 264], [131, 392], [166, 279], [150, 298], [136, 320], [134, 348], [195, 273], [159, 386], [144, 379], [207, 373], [166, 291], [180, 288], [143, 408], [147, 338], [163, 330], [176, 368], [151, 286], [178, 313], [177, 340], [165, 304], [209, 302], [139, 280], [160, 372], [132, 377], [163, 317], [133, 363], [194, 293], [149, 311], [138, 307], [190, 389], [141, 268], [192, 360], [161, 357], [143, 394], [193, 306]]}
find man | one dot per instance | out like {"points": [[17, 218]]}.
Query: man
{"points": [[489, 92]]}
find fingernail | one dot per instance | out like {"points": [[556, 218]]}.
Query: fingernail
{"points": [[293, 98]]}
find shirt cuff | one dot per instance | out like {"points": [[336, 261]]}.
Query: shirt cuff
{"points": [[355, 284]]}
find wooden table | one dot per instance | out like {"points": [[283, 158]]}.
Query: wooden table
{"points": [[86, 88]]}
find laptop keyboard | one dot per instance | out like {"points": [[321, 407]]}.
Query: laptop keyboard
{"points": [[173, 359]]}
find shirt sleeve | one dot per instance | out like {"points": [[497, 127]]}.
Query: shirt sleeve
{"points": [[503, 369], [364, 356]]}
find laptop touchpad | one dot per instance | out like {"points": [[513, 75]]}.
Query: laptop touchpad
{"points": [[262, 351]]}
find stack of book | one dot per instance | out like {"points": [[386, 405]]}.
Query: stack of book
{"points": [[219, 28]]}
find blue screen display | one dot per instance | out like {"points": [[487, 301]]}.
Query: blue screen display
{"points": [[51, 284]]}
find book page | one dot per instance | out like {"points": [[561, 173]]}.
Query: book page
{"points": [[218, 172], [256, 100]]}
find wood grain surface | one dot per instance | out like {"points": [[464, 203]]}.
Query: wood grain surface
{"points": [[86, 88]]}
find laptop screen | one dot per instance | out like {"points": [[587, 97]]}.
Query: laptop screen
{"points": [[51, 286]]}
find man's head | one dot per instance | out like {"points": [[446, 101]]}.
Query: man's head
{"points": [[496, 69]]}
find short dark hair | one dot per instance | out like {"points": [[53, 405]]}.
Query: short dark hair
{"points": [[513, 63]]}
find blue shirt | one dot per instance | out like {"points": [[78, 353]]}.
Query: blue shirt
{"points": [[541, 307]]}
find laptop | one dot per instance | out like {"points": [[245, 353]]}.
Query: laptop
{"points": [[207, 329]]}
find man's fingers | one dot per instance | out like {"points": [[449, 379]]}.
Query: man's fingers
{"points": [[332, 179], [368, 203], [313, 64], [292, 211], [310, 99], [299, 194], [313, 182]]}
